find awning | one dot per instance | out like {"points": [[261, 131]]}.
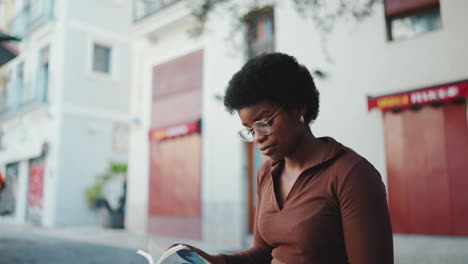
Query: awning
{"points": [[5, 37], [175, 131], [7, 51], [425, 96]]}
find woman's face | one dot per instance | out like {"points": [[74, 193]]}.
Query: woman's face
{"points": [[285, 128]]}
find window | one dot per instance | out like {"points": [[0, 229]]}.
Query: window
{"points": [[43, 75], [3, 91], [2, 142], [260, 32], [3, 99], [102, 58], [10, 93], [25, 89], [19, 86], [145, 8], [407, 19]]}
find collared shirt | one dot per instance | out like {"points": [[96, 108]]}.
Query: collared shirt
{"points": [[335, 213]]}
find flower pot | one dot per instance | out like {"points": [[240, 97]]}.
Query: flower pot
{"points": [[115, 220]]}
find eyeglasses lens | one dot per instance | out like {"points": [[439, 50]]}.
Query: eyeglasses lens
{"points": [[246, 135]]}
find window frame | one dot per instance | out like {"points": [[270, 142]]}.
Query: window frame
{"points": [[253, 18], [43, 82], [419, 10], [114, 51]]}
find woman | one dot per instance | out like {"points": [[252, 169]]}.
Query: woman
{"points": [[318, 201]]}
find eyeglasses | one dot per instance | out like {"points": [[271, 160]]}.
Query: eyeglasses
{"points": [[260, 127]]}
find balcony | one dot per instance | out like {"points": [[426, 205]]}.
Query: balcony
{"points": [[17, 105], [31, 16], [17, 96], [145, 8]]}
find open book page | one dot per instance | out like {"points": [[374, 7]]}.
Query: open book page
{"points": [[181, 254]]}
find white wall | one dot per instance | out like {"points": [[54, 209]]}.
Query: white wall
{"points": [[89, 105], [88, 150], [85, 89], [113, 16], [365, 63], [223, 176], [78, 103], [138, 153]]}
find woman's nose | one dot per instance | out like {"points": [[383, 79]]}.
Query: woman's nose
{"points": [[259, 138]]}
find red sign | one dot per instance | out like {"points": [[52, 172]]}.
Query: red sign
{"points": [[175, 131], [443, 93], [36, 184]]}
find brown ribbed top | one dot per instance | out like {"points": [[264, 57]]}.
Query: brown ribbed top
{"points": [[335, 213]]}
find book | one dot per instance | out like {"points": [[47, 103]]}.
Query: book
{"points": [[179, 254]]}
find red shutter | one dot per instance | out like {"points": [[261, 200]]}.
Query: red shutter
{"points": [[456, 136], [175, 164], [398, 7], [179, 75], [427, 170], [397, 174], [177, 91]]}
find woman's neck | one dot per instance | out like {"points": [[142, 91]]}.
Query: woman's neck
{"points": [[308, 152]]}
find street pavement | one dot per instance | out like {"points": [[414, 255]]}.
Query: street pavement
{"points": [[29, 248], [19, 248], [28, 244]]}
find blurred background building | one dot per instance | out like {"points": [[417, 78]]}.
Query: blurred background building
{"points": [[64, 109], [393, 88], [92, 76]]}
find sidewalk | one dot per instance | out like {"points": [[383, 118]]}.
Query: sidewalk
{"points": [[409, 249], [112, 237]]}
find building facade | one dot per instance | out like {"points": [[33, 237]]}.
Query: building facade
{"points": [[189, 175], [65, 114]]}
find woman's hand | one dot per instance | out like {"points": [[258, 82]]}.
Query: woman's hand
{"points": [[213, 259]]}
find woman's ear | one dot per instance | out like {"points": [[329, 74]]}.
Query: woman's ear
{"points": [[301, 110]]}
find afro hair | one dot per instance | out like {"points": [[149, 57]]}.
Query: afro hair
{"points": [[276, 77]]}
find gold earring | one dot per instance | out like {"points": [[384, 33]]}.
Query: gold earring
{"points": [[301, 119]]}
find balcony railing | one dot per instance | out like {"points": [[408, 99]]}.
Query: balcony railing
{"points": [[21, 96], [145, 8], [31, 16]]}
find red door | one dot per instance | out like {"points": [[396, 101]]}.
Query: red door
{"points": [[175, 184], [36, 188], [175, 158], [426, 153]]}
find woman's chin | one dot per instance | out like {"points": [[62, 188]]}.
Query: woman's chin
{"points": [[275, 158]]}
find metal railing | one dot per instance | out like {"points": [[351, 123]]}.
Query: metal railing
{"points": [[3, 102], [145, 8], [21, 96], [31, 16]]}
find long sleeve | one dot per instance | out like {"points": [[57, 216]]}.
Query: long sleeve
{"points": [[366, 221]]}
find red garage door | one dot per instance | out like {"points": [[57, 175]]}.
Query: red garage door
{"points": [[175, 142], [427, 163]]}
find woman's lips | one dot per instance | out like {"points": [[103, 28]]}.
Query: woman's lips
{"points": [[267, 150]]}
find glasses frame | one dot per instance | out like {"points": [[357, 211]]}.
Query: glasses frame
{"points": [[252, 129]]}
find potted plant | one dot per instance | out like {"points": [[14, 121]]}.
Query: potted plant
{"points": [[99, 194]]}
